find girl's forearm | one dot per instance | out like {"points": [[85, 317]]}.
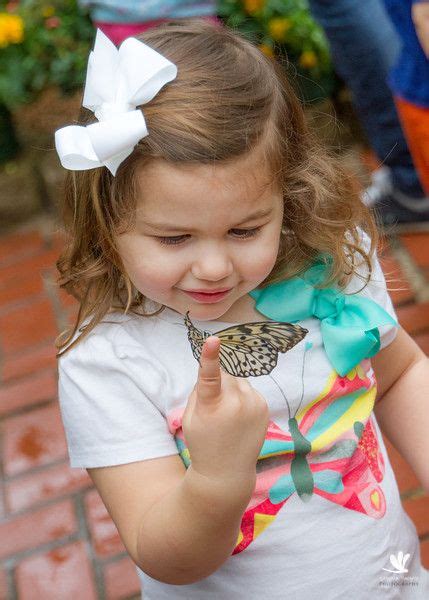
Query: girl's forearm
{"points": [[403, 415], [191, 531]]}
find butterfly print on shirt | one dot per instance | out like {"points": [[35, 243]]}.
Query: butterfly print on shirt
{"points": [[344, 458]]}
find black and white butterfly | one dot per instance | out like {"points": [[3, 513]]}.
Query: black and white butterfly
{"points": [[249, 349]]}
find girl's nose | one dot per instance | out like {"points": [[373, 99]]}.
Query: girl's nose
{"points": [[212, 264]]}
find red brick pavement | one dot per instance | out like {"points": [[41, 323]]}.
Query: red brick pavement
{"points": [[53, 524]]}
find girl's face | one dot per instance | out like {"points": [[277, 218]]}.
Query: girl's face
{"points": [[203, 228]]}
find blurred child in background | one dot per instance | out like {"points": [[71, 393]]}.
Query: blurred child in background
{"points": [[121, 19], [364, 47], [409, 79]]}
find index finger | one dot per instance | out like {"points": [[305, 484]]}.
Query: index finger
{"points": [[209, 374]]}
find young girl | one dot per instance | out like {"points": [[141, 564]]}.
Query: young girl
{"points": [[207, 224]]}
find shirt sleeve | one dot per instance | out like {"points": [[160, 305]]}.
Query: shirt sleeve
{"points": [[376, 290], [109, 419]]}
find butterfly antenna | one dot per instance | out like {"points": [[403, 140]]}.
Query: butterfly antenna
{"points": [[306, 349], [282, 393]]}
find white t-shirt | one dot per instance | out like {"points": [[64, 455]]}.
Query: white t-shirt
{"points": [[123, 391]]}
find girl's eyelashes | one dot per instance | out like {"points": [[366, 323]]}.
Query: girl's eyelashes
{"points": [[170, 241], [246, 233], [178, 239]]}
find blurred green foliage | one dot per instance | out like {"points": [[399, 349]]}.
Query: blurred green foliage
{"points": [[53, 50], [46, 43], [285, 30]]}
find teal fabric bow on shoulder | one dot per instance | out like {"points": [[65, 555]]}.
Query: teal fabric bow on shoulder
{"points": [[349, 323]]}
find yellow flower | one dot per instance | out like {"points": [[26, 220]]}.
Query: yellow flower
{"points": [[16, 29], [308, 59], [11, 29], [278, 27], [4, 38], [48, 11], [252, 6], [267, 50]]}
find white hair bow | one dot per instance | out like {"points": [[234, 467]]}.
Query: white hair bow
{"points": [[117, 81]]}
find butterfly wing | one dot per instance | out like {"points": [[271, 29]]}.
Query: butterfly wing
{"points": [[345, 460], [281, 336], [360, 477], [251, 349], [344, 443], [236, 359], [196, 337]]}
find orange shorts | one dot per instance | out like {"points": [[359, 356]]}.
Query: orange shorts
{"points": [[415, 123]]}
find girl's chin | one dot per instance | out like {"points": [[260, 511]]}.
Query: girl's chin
{"points": [[207, 312]]}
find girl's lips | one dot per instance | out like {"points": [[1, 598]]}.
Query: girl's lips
{"points": [[207, 298]]}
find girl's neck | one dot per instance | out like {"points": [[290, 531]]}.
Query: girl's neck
{"points": [[243, 311]]}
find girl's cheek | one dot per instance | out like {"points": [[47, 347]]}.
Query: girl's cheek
{"points": [[261, 270], [150, 268], [160, 272], [261, 263], [141, 256]]}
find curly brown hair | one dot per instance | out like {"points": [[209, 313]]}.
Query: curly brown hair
{"points": [[227, 99]]}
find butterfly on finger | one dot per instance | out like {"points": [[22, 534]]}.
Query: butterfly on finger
{"points": [[248, 349]]}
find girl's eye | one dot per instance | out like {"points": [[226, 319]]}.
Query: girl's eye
{"points": [[175, 239], [246, 233], [178, 239]]}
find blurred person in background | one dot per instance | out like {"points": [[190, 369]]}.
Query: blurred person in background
{"points": [[409, 78], [120, 19], [364, 48]]}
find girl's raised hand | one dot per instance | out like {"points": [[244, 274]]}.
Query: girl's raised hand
{"points": [[224, 423]]}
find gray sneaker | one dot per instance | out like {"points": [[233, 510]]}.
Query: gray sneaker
{"points": [[394, 211]]}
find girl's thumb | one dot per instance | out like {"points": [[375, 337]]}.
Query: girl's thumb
{"points": [[209, 374]]}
